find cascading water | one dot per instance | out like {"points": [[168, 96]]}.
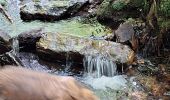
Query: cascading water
{"points": [[98, 66], [15, 46], [12, 9], [15, 50], [68, 59]]}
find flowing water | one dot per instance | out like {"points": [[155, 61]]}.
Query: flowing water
{"points": [[106, 88], [99, 73], [99, 65]]}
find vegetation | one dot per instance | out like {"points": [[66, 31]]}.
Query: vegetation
{"points": [[164, 8], [118, 5]]}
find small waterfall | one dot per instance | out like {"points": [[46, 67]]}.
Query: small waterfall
{"points": [[15, 46], [68, 62], [14, 58], [69, 47], [15, 50], [98, 66]]}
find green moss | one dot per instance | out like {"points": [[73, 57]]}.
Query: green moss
{"points": [[164, 23], [73, 26], [104, 8], [118, 5], [164, 8], [137, 3], [108, 7]]}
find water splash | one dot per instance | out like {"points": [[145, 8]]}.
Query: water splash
{"points": [[15, 50], [14, 58], [98, 66]]}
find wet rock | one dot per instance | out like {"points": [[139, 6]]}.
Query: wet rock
{"points": [[9, 59], [50, 10], [4, 42], [58, 47], [28, 39]]}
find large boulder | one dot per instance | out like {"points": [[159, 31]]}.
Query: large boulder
{"points": [[4, 42], [58, 47], [50, 10], [127, 35], [124, 33]]}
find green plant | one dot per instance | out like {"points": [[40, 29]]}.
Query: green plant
{"points": [[118, 5]]}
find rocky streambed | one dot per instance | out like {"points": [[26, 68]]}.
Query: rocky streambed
{"points": [[63, 38]]}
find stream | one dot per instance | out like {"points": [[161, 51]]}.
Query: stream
{"points": [[106, 88], [106, 83]]}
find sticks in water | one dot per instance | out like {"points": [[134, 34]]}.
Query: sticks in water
{"points": [[3, 11]]}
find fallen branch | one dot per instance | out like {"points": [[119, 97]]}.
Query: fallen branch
{"points": [[2, 10]]}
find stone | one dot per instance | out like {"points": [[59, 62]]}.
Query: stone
{"points": [[50, 10], [56, 47], [124, 33], [27, 40], [5, 45]]}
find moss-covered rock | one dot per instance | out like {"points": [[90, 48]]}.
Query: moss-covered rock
{"points": [[119, 10]]}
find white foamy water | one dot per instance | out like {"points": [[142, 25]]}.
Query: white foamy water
{"points": [[98, 66], [15, 46], [118, 82]]}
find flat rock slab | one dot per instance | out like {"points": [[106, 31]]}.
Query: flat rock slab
{"points": [[50, 10], [60, 47]]}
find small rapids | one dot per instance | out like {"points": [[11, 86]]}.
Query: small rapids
{"points": [[106, 88]]}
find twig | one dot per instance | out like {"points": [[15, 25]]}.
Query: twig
{"points": [[5, 14]]}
